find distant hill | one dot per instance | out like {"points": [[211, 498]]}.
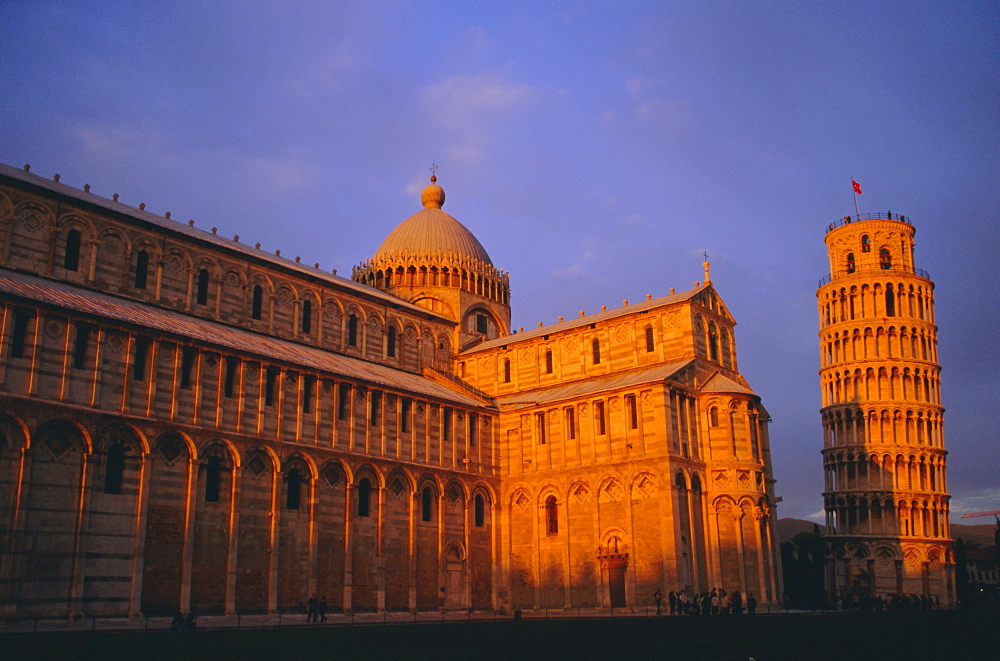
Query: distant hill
{"points": [[789, 527], [981, 534]]}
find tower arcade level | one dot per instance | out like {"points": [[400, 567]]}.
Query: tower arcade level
{"points": [[885, 491]]}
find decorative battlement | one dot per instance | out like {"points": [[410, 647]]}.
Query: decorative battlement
{"points": [[847, 220]]}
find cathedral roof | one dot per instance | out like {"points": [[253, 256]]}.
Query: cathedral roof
{"points": [[590, 386], [720, 383], [211, 333], [586, 320], [431, 231], [85, 197]]}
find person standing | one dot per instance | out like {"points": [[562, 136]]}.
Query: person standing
{"points": [[322, 609], [658, 598], [311, 608], [751, 604], [672, 599]]}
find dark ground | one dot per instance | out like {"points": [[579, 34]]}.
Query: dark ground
{"points": [[910, 636]]}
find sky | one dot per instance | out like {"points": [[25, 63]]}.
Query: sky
{"points": [[596, 149]]}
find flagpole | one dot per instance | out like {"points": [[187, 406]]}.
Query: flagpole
{"points": [[855, 189]]}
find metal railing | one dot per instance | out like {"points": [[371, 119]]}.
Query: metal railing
{"points": [[892, 270], [847, 220]]}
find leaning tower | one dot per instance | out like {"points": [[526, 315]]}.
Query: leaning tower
{"points": [[885, 492]]}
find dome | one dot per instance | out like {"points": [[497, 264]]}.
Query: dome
{"points": [[431, 231]]}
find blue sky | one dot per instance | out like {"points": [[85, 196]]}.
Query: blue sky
{"points": [[596, 150]]}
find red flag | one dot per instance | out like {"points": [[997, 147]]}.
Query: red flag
{"points": [[857, 187]]}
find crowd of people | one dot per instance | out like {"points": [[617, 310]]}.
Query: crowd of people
{"points": [[716, 602], [894, 603]]}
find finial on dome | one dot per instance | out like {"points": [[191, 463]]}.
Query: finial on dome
{"points": [[705, 264], [432, 197]]}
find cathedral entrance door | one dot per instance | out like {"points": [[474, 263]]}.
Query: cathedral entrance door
{"points": [[616, 581], [453, 593]]}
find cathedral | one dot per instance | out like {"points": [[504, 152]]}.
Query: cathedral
{"points": [[189, 423]]}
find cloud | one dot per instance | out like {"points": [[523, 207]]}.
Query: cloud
{"points": [[473, 107], [118, 140], [818, 517], [329, 67], [280, 174], [982, 500], [581, 264]]}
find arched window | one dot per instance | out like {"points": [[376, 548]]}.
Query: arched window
{"points": [[713, 341], [480, 515], [595, 346], [851, 267], [203, 287], [307, 310], [713, 416], [390, 342], [650, 346], [364, 497], [141, 269], [71, 258], [890, 301], [427, 504], [506, 370], [885, 259], [633, 411], [548, 361], [139, 358], [866, 243], [294, 486], [352, 330], [213, 479], [375, 410], [258, 301], [114, 469], [551, 516]]}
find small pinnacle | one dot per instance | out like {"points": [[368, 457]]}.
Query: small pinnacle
{"points": [[649, 297], [115, 197], [520, 329], [298, 259], [582, 313], [27, 167], [604, 308], [55, 178], [236, 238], [697, 284], [334, 271], [167, 215], [316, 265], [277, 252], [257, 245], [86, 188], [191, 223], [624, 302], [142, 206], [560, 318], [672, 291]]}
